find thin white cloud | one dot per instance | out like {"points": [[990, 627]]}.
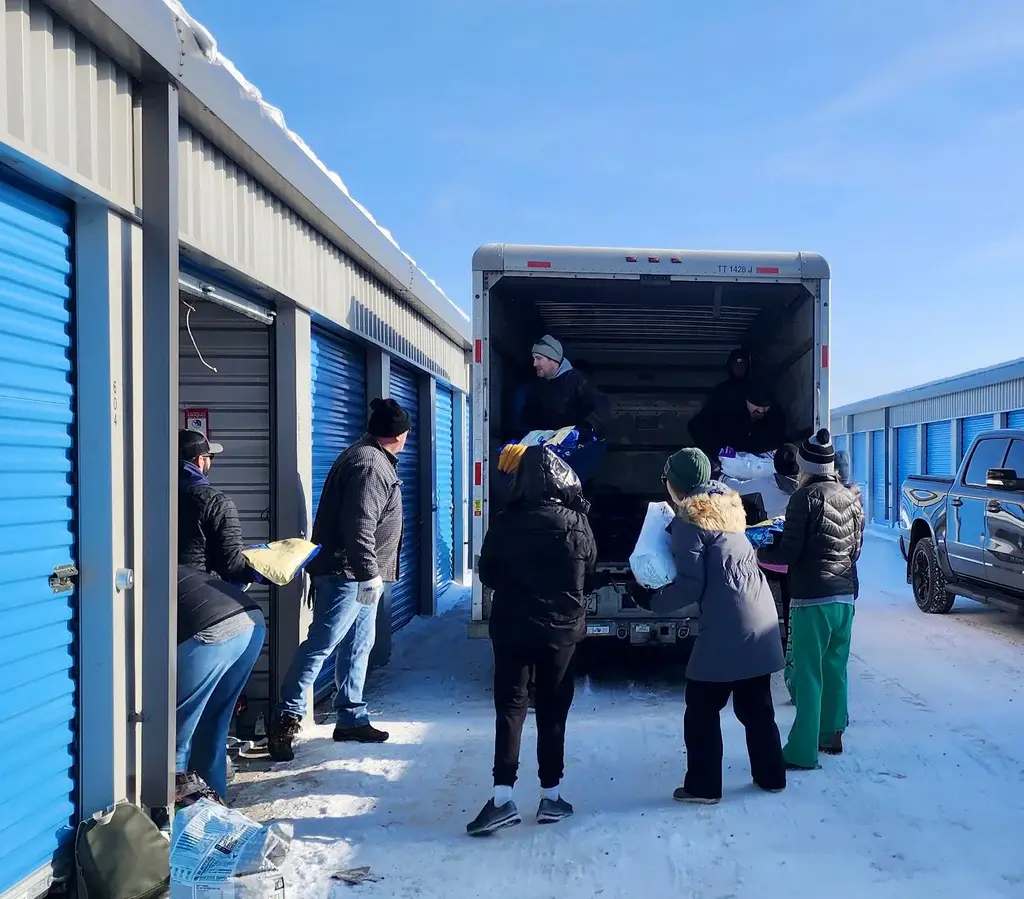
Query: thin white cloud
{"points": [[979, 46]]}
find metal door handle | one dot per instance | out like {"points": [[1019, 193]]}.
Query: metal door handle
{"points": [[956, 502], [994, 506]]}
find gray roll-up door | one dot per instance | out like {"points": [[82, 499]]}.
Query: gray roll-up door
{"points": [[938, 448], [237, 398], [405, 600], [338, 392], [38, 667]]}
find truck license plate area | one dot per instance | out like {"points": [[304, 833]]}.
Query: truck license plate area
{"points": [[599, 630], [655, 632]]}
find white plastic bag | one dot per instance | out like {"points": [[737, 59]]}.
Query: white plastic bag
{"points": [[746, 466], [651, 562]]}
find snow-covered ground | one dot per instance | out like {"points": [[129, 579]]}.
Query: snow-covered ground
{"points": [[928, 800]]}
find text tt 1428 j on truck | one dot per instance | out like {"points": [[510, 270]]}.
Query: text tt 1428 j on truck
{"points": [[964, 536], [652, 331]]}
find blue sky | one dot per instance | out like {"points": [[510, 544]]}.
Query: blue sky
{"points": [[888, 136]]}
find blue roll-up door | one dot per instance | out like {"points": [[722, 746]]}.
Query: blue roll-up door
{"points": [[971, 428], [839, 442], [879, 495], [38, 673], [906, 454], [859, 470], [938, 448], [444, 443], [1015, 419], [405, 598], [339, 402]]}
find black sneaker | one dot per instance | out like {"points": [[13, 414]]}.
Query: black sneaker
{"points": [[189, 788], [551, 811], [282, 733], [365, 733], [492, 818], [680, 795], [833, 745]]}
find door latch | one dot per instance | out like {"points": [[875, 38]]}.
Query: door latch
{"points": [[62, 579]]}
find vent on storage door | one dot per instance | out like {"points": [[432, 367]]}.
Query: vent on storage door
{"points": [[879, 495], [445, 500], [906, 454], [405, 593], [237, 397], [860, 463], [38, 675], [339, 401], [971, 428], [938, 448]]}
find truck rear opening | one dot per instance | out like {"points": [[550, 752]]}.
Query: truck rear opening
{"points": [[652, 330]]}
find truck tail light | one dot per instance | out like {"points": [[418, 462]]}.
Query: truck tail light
{"points": [[538, 263], [478, 351], [824, 355], [478, 474]]}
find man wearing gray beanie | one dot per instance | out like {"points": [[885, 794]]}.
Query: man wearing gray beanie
{"points": [[561, 397]]}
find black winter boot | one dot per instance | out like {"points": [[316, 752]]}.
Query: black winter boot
{"points": [[283, 730], [365, 733]]}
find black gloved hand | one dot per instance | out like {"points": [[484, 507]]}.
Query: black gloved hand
{"points": [[586, 432]]}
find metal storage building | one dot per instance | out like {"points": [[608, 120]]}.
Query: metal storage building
{"points": [[924, 430], [170, 254]]}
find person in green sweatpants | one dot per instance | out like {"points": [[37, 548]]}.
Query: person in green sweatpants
{"points": [[821, 543]]}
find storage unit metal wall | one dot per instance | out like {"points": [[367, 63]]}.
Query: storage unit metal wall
{"points": [[114, 114], [926, 429]]}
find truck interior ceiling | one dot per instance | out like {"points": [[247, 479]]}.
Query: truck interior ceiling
{"points": [[655, 348]]}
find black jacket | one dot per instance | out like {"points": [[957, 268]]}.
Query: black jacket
{"points": [[821, 541], [359, 519], [725, 421], [205, 600], [537, 555], [209, 532], [568, 400]]}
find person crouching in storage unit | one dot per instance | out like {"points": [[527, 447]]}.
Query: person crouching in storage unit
{"points": [[820, 543], [536, 557], [738, 647]]}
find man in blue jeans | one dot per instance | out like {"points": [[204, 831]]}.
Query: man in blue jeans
{"points": [[359, 528]]}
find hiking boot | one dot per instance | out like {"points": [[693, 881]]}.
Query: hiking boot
{"points": [[680, 795], [551, 811], [493, 818], [364, 733], [282, 733], [832, 746], [189, 788]]}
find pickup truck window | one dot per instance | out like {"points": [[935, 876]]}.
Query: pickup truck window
{"points": [[987, 454], [1015, 458]]}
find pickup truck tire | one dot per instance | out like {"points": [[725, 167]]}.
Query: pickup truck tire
{"points": [[928, 581]]}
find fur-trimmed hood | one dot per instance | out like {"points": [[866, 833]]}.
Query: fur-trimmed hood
{"points": [[718, 509]]}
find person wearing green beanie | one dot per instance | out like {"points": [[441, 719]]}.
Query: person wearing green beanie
{"points": [[738, 645]]}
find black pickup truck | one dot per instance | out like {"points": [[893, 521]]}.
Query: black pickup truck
{"points": [[964, 536]]}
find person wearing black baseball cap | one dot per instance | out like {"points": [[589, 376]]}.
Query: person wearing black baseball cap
{"points": [[359, 528]]}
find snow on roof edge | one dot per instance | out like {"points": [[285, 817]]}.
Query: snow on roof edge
{"points": [[207, 44]]}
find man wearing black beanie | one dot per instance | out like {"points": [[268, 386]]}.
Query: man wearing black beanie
{"points": [[359, 528]]}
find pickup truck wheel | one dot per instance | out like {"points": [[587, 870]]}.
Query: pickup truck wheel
{"points": [[928, 581]]}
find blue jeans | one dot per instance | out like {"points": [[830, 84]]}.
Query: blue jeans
{"points": [[210, 679], [339, 621]]}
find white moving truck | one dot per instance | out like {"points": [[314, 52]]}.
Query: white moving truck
{"points": [[652, 329]]}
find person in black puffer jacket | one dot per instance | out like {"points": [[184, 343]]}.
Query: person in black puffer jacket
{"points": [[209, 532], [536, 557], [821, 543]]}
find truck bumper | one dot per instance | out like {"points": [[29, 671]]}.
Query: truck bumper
{"points": [[637, 633]]}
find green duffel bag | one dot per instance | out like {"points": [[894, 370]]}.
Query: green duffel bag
{"points": [[122, 856]]}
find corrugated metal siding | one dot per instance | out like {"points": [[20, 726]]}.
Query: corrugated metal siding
{"points": [[906, 454], [879, 483], [444, 443], [968, 403], [860, 462], [65, 105], [338, 391], [405, 598], [938, 448], [229, 215], [237, 396], [1015, 419], [869, 421], [972, 427], [38, 677]]}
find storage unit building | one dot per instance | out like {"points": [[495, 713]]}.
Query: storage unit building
{"points": [[927, 429], [134, 164]]}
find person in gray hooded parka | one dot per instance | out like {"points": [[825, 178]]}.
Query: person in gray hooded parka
{"points": [[738, 646]]}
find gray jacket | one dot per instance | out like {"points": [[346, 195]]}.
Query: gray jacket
{"points": [[717, 569], [359, 518]]}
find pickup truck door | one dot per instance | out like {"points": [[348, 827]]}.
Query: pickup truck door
{"points": [[966, 525], [1004, 516]]}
